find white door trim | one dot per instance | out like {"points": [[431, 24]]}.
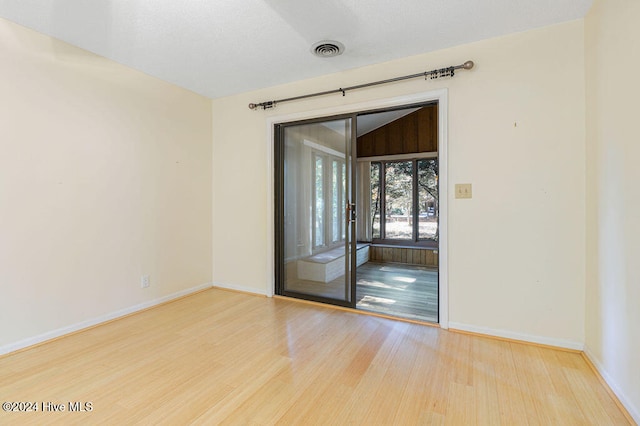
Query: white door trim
{"points": [[440, 95]]}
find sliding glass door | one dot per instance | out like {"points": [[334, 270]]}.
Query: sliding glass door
{"points": [[314, 216]]}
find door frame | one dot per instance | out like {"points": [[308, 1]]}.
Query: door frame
{"points": [[441, 96]]}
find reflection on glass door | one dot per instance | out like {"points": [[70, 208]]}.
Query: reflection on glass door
{"points": [[313, 217]]}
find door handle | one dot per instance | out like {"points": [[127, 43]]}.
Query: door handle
{"points": [[351, 212]]}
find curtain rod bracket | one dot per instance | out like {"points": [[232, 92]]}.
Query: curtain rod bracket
{"points": [[263, 105]]}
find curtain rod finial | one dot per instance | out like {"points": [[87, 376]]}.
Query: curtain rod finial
{"points": [[468, 65], [252, 106]]}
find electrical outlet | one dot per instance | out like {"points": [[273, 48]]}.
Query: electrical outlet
{"points": [[463, 190], [145, 281]]}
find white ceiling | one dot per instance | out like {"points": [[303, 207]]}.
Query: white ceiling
{"points": [[222, 47]]}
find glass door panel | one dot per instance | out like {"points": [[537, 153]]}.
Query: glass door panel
{"points": [[315, 187]]}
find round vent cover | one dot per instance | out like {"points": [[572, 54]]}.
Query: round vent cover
{"points": [[327, 48]]}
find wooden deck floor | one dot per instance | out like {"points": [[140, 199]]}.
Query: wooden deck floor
{"points": [[220, 357], [406, 291]]}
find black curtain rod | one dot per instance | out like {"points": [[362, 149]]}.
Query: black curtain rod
{"points": [[442, 72]]}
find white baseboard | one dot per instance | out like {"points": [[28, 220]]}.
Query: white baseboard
{"points": [[615, 388], [542, 340], [241, 288], [11, 347]]}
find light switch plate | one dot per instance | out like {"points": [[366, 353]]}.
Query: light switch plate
{"points": [[463, 190]]}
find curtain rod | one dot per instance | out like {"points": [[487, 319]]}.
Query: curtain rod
{"points": [[442, 72]]}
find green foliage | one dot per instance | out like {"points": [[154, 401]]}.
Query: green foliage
{"points": [[399, 196]]}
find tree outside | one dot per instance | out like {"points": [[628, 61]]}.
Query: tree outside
{"points": [[399, 203]]}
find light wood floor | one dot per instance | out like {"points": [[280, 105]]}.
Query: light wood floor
{"points": [[220, 357]]}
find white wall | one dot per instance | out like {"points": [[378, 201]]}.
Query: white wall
{"points": [[105, 175], [516, 132], [613, 197]]}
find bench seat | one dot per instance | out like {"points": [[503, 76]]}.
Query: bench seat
{"points": [[329, 265]]}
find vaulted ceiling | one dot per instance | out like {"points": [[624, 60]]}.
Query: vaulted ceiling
{"points": [[223, 47]]}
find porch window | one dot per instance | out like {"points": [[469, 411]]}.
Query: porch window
{"points": [[404, 201], [329, 183]]}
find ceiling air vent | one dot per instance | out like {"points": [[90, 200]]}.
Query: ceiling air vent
{"points": [[327, 49]]}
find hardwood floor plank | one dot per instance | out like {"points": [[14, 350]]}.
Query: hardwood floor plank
{"points": [[510, 394], [461, 405], [485, 383], [220, 357], [395, 380], [592, 401]]}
